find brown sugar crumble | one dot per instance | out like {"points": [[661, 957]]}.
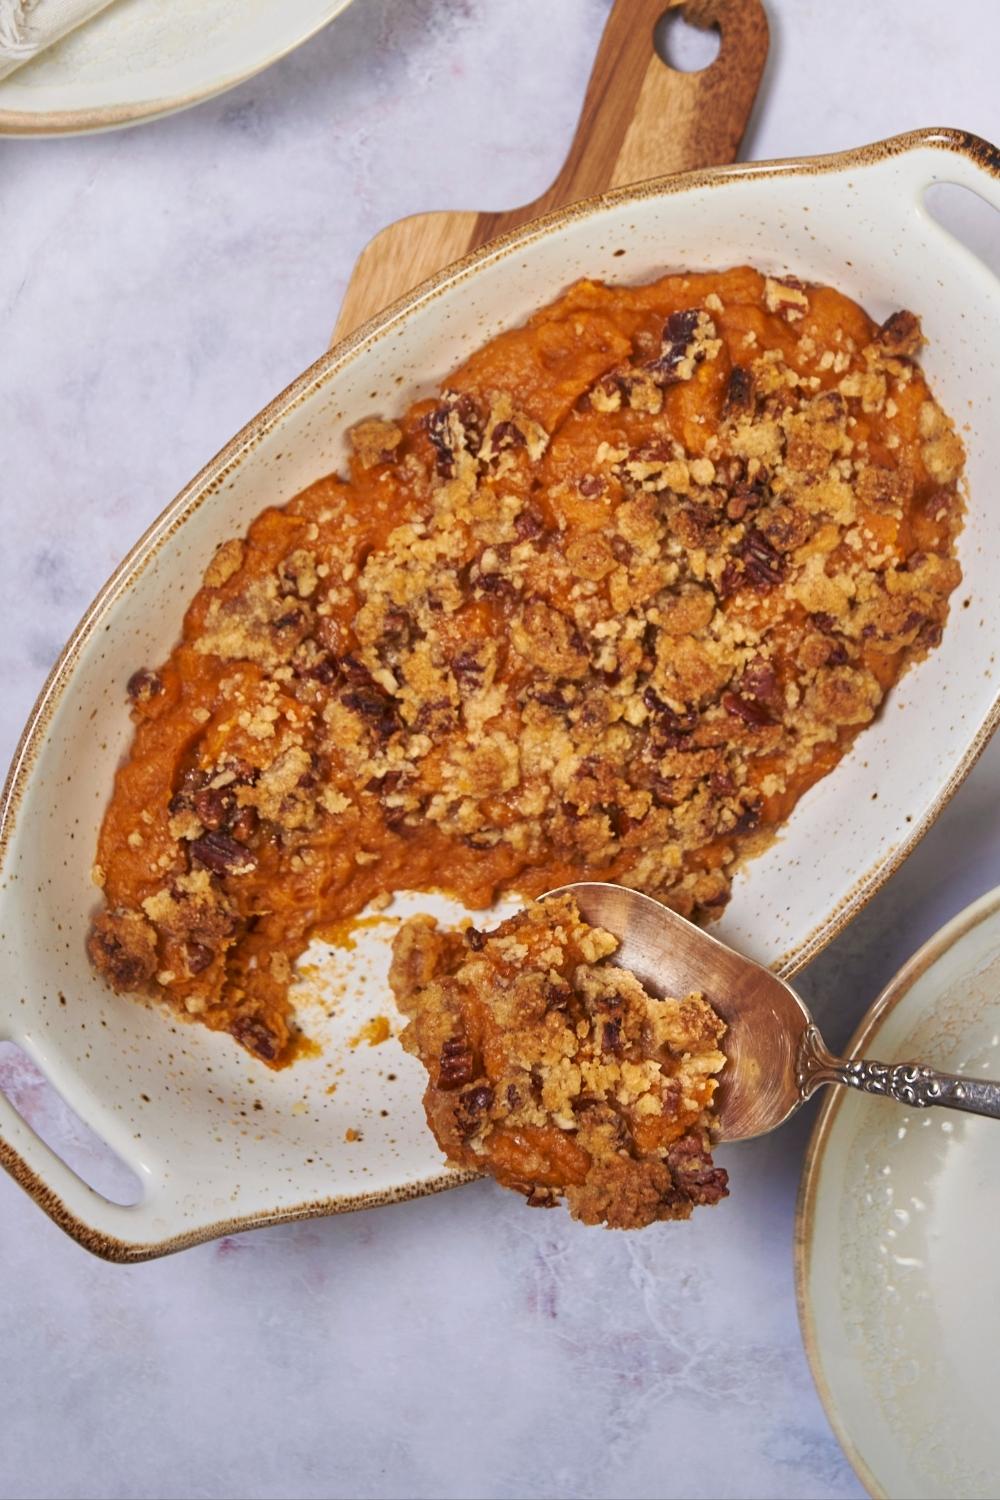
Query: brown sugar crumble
{"points": [[604, 608], [556, 1072]]}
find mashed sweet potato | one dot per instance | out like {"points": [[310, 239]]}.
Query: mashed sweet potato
{"points": [[605, 607]]}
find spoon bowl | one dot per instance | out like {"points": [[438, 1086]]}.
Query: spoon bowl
{"points": [[775, 1056]]}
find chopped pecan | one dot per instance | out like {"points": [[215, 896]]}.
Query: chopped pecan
{"points": [[721, 784], [671, 728], [748, 709], [326, 670], [786, 296], [215, 806], [191, 782], [122, 947], [679, 353], [472, 1107], [557, 698], [244, 823], [199, 957], [611, 1036], [692, 1170], [483, 838], [762, 563], [505, 436], [496, 583], [529, 523], [742, 498], [144, 685], [900, 335], [467, 669], [558, 996], [397, 628], [758, 680], [748, 819], [253, 1033], [222, 854], [739, 392], [540, 1197], [784, 527], [374, 705], [454, 427]]}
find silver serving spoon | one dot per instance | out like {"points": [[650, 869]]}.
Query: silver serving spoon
{"points": [[775, 1056]]}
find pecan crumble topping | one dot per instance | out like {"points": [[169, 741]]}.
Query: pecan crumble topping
{"points": [[604, 608], [556, 1072]]}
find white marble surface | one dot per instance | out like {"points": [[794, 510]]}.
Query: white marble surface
{"points": [[157, 287]]}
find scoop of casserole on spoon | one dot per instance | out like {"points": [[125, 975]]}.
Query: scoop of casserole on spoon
{"points": [[775, 1056]]}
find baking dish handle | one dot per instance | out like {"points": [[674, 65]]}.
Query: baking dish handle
{"points": [[956, 157], [108, 1229]]}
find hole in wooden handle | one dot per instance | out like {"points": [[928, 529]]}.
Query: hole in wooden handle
{"points": [[46, 1113], [686, 46]]}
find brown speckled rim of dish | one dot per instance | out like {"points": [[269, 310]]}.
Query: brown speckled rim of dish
{"points": [[22, 122], [809, 1186], [982, 155], [127, 1252]]}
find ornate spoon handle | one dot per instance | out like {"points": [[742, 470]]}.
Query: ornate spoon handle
{"points": [[907, 1083]]}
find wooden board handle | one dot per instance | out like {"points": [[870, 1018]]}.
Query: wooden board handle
{"points": [[642, 118]]}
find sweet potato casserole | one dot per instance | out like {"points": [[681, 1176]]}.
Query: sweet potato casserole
{"points": [[556, 1072], [604, 608]]}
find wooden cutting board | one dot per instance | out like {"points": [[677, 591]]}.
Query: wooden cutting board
{"points": [[640, 119]]}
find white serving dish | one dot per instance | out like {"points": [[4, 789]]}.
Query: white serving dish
{"points": [[208, 1161], [137, 61], [897, 1232]]}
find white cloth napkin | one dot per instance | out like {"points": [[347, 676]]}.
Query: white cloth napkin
{"points": [[27, 27]]}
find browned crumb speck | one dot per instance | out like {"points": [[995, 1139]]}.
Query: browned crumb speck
{"points": [[556, 1071]]}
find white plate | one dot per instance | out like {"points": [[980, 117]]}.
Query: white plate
{"points": [[899, 1224], [143, 58], [178, 1103]]}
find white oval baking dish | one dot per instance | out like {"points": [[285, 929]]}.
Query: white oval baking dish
{"points": [[210, 1162]]}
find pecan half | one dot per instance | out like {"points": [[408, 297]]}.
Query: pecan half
{"points": [[457, 1064]]}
